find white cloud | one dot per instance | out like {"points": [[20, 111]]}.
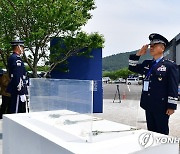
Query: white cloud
{"points": [[126, 24]]}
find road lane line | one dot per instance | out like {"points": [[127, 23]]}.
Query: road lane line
{"points": [[128, 88]]}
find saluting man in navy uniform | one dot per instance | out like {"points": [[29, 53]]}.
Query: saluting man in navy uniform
{"points": [[160, 84], [17, 73]]}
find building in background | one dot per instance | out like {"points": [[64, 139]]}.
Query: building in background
{"points": [[173, 50], [173, 53]]}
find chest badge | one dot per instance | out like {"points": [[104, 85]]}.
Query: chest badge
{"points": [[160, 78], [162, 68]]}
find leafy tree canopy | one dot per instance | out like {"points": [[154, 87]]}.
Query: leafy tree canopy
{"points": [[37, 21], [122, 73]]}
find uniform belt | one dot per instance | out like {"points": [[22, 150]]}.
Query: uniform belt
{"points": [[24, 77]]}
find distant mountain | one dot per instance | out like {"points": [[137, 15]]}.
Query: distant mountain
{"points": [[119, 61]]}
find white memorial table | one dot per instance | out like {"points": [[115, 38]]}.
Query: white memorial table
{"points": [[26, 134], [61, 122]]}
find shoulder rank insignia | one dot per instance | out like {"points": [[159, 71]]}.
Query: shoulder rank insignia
{"points": [[170, 60], [18, 62], [146, 67]]}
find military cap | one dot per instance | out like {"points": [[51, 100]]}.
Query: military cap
{"points": [[157, 38], [17, 43]]}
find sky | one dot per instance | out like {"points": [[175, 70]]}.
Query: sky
{"points": [[126, 24]]}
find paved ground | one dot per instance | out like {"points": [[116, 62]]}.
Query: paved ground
{"points": [[132, 92]]}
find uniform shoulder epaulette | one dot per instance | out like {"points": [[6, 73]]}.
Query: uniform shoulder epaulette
{"points": [[15, 56], [169, 60]]}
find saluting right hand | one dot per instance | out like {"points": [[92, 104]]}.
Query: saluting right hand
{"points": [[142, 51]]}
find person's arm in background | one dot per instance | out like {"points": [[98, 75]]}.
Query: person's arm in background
{"points": [[134, 58], [5, 80]]}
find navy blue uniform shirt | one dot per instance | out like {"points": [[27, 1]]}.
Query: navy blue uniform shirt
{"points": [[17, 74], [163, 80]]}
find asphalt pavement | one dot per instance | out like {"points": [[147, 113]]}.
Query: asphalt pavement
{"points": [[130, 92]]}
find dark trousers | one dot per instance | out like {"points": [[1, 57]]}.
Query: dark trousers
{"points": [[16, 105], [5, 106], [157, 122]]}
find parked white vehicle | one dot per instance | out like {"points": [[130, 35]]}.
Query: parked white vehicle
{"points": [[122, 80], [106, 80], [130, 81]]}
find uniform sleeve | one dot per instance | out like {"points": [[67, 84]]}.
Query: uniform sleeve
{"points": [[173, 79], [18, 76], [133, 64]]}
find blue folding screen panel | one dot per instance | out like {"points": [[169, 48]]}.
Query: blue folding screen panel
{"points": [[84, 68]]}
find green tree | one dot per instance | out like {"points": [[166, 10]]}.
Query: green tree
{"points": [[122, 73], [37, 21], [112, 75], [1, 62], [82, 45]]}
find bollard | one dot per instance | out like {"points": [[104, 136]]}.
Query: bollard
{"points": [[124, 95]]}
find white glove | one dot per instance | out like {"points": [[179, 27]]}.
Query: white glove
{"points": [[23, 98], [20, 85]]}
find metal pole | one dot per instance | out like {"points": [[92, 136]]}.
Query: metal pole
{"points": [[117, 92]]}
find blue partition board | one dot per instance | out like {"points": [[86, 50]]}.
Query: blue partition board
{"points": [[84, 68]]}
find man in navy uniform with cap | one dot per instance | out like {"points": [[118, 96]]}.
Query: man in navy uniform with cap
{"points": [[160, 84], [17, 73]]}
